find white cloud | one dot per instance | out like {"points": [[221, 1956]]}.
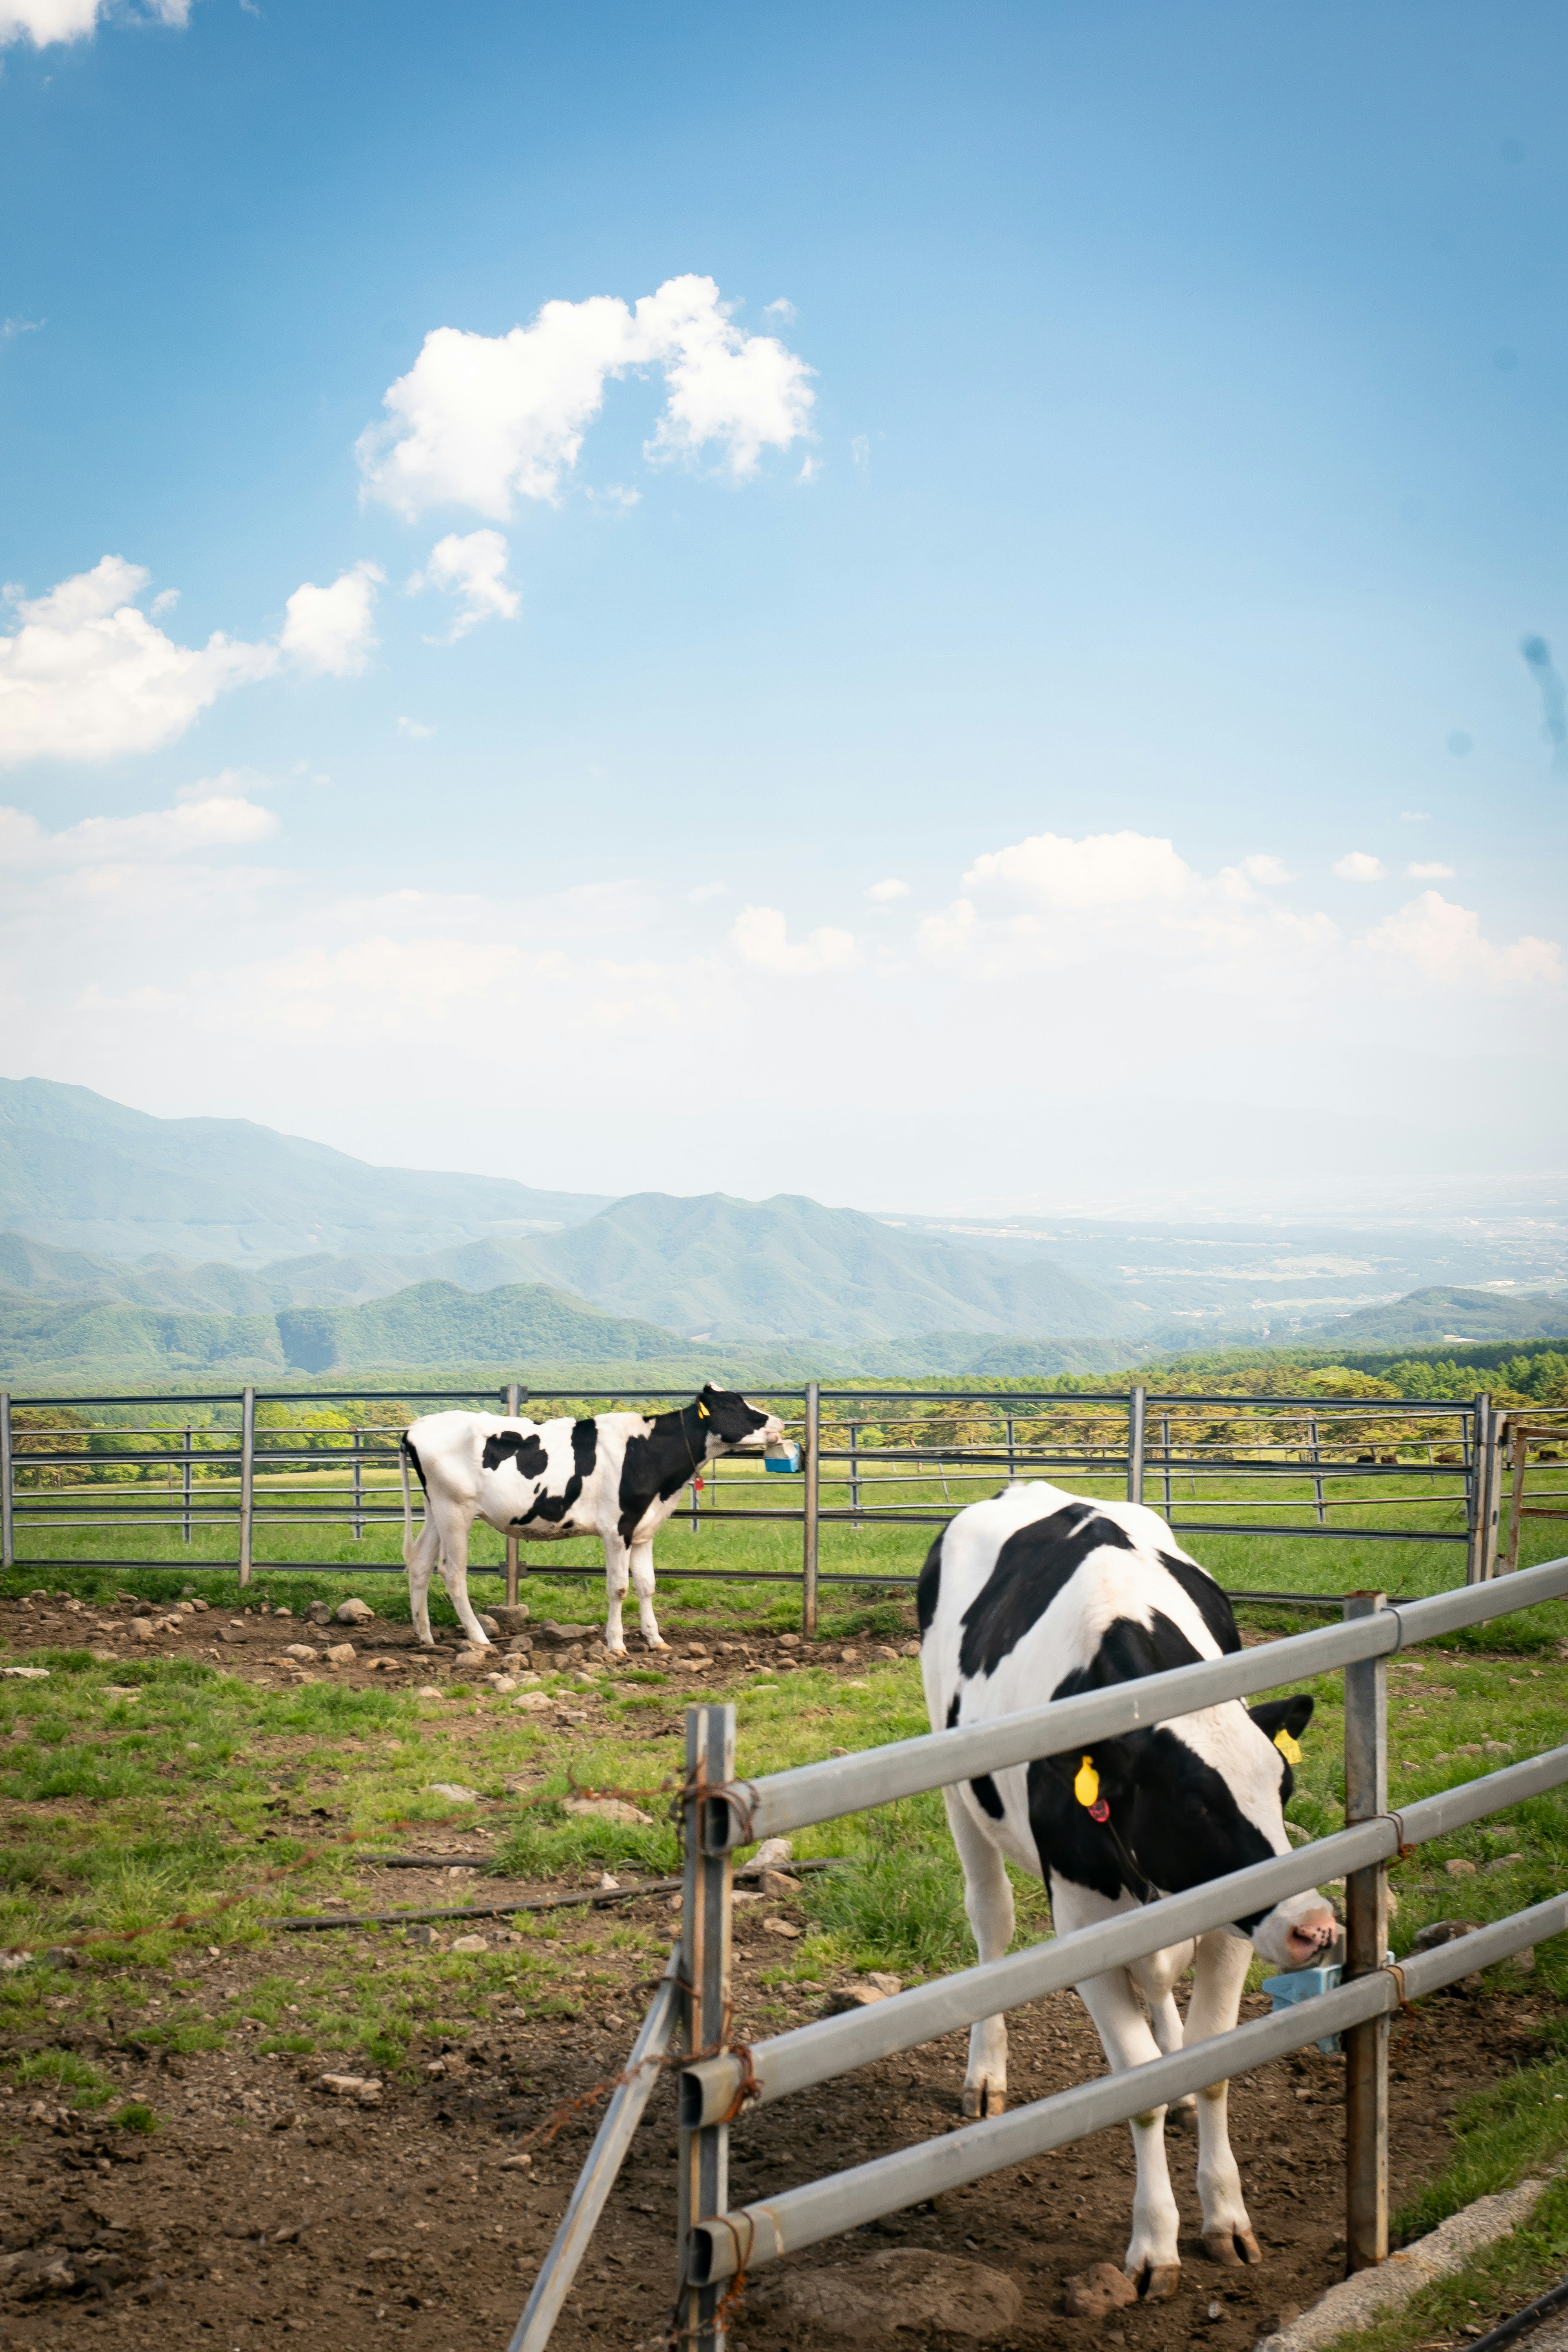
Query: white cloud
{"points": [[760, 937], [1105, 869], [882, 893], [1436, 941], [413, 726], [810, 469], [157, 836], [1433, 871], [1359, 865], [783, 309], [705, 891], [480, 420], [10, 329], [330, 630], [1413, 816], [1264, 869], [474, 569], [87, 675], [42, 22]]}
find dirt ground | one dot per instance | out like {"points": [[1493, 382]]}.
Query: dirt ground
{"points": [[264, 2207]]}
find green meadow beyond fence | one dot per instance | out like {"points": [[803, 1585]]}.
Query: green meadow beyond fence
{"points": [[248, 1471]]}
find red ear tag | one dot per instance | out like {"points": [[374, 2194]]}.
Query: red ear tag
{"points": [[1099, 1811], [697, 1482]]}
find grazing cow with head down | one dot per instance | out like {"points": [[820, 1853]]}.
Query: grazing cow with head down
{"points": [[1037, 1595], [617, 1475]]}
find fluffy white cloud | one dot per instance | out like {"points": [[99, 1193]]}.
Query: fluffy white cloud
{"points": [[1264, 869], [480, 420], [759, 935], [415, 727], [1358, 866], [1105, 869], [473, 571], [331, 630], [87, 675], [1431, 939], [191, 830], [1432, 871], [883, 893], [44, 21]]}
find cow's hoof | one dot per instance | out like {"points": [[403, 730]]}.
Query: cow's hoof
{"points": [[1161, 2281], [984, 2099]]}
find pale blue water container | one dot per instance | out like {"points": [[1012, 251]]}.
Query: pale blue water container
{"points": [[1305, 1984], [783, 1456]]}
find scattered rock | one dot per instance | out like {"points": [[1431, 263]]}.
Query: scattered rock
{"points": [[789, 1641], [847, 1998], [302, 1651], [364, 2088], [1095, 2294], [510, 1617], [772, 1854], [352, 1613], [428, 1690], [388, 1665], [342, 1654], [141, 1630], [516, 2164], [886, 1985], [778, 1882], [487, 1624], [532, 1703], [470, 1944], [1505, 1862], [1443, 1931], [455, 1792], [26, 1674], [319, 1612], [1459, 1868], [603, 1808], [421, 1937], [781, 1927], [917, 2291]]}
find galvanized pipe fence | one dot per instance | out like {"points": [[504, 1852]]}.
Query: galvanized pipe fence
{"points": [[720, 2086], [859, 1447]]}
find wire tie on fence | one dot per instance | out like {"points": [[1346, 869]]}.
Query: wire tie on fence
{"points": [[1405, 1849]]}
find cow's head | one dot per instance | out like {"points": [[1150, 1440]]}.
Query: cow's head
{"points": [[1205, 1795], [727, 1420]]}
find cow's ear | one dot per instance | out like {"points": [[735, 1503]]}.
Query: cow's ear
{"points": [[1109, 1766], [1290, 1716]]}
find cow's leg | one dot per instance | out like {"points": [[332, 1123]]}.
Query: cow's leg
{"points": [[1156, 1978], [615, 1558], [455, 1573], [643, 1586], [988, 1901], [1126, 2037], [421, 1558], [1216, 2003]]}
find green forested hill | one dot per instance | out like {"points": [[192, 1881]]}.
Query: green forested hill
{"points": [[1424, 1318]]}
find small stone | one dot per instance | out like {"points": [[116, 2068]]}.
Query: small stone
{"points": [[364, 2088], [781, 1927], [848, 1658], [772, 1854], [1094, 2293], [388, 1665], [352, 1613], [516, 2164], [302, 1651], [142, 1630], [777, 1883], [848, 1997], [604, 1809], [1505, 1862], [342, 1654], [510, 1617], [789, 1641], [532, 1702], [319, 1612], [420, 1937], [886, 1985], [1460, 1869], [1443, 1931], [488, 1624], [455, 1792], [428, 1690], [470, 1944]]}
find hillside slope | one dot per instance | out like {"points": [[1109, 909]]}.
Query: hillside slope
{"points": [[1423, 1316], [758, 1271], [85, 1173]]}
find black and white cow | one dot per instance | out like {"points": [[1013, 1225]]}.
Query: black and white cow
{"points": [[1039, 1594], [618, 1477]]}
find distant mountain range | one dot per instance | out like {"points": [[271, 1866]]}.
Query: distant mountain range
{"points": [[135, 1247]]}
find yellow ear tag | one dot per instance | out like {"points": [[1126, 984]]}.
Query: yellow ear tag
{"points": [[1291, 1749], [1086, 1787], [702, 1412]]}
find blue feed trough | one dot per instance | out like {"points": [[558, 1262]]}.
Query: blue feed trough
{"points": [[783, 1458], [1304, 1984]]}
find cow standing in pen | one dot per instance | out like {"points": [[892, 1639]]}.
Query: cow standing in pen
{"points": [[617, 1475], [1039, 1595]]}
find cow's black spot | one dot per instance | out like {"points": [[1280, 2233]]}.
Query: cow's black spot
{"points": [[1207, 1598], [1030, 1570], [658, 1464], [584, 1447], [548, 1510], [928, 1591], [987, 1796], [525, 1448], [1128, 1650], [952, 1706], [418, 1464]]}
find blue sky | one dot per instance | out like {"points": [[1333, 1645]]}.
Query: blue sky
{"points": [[1179, 462]]}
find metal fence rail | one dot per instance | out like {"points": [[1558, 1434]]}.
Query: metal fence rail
{"points": [[717, 2244], [859, 1448]]}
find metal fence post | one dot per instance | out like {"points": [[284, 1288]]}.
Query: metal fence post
{"points": [[1138, 1417], [1496, 1423], [185, 1485], [706, 1915], [247, 1483], [514, 1412], [1474, 1491], [7, 1487], [1520, 1450], [1317, 1472], [359, 1487], [1365, 1948], [812, 1509]]}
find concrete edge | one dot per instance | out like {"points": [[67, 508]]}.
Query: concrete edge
{"points": [[1359, 2302]]}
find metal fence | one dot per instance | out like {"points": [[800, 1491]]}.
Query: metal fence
{"points": [[1314, 1467], [717, 2244]]}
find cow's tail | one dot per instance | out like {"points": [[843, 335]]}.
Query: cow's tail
{"points": [[405, 1455]]}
